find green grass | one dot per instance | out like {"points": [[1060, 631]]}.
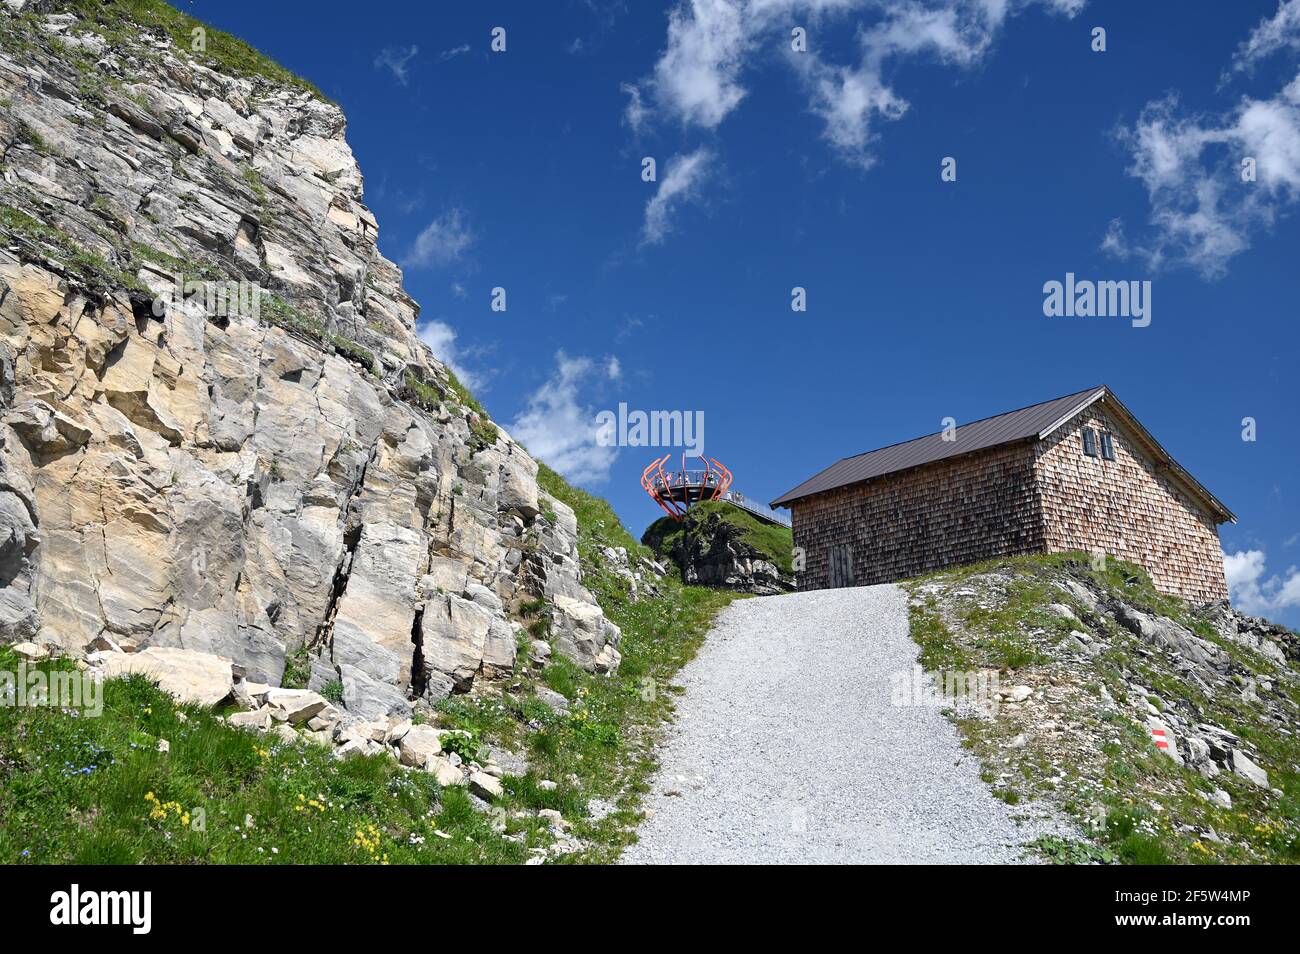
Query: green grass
{"points": [[483, 433], [188, 269], [117, 22], [96, 790], [774, 542], [608, 740], [940, 651], [276, 311]]}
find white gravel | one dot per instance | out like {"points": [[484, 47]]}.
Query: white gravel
{"points": [[787, 749]]}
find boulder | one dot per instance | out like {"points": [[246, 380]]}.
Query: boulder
{"points": [[371, 698], [186, 674], [1018, 693], [419, 744], [1062, 611], [1169, 635], [1243, 766], [1197, 755], [485, 785], [295, 706], [553, 699], [443, 772], [584, 635], [258, 719]]}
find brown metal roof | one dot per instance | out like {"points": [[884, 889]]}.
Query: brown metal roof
{"points": [[1035, 421], [978, 435]]}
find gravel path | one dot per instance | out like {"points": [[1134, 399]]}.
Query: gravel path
{"points": [[787, 749]]}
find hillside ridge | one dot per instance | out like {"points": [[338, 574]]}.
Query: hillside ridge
{"points": [[1166, 730]]}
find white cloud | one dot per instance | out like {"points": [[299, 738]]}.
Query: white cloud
{"points": [[635, 113], [710, 43], [681, 183], [395, 60], [454, 52], [443, 241], [1202, 213], [613, 368], [1281, 31], [558, 428], [441, 339], [698, 74], [1254, 592]]}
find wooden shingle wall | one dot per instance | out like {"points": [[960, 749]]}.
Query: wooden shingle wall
{"points": [[955, 511], [1129, 507]]}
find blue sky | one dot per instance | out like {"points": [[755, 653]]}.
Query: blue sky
{"points": [[522, 169]]}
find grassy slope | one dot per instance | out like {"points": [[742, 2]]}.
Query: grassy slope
{"points": [[1150, 804], [660, 635], [76, 789], [118, 20], [96, 790], [774, 542]]}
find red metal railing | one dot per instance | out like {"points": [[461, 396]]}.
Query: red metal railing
{"points": [[675, 491]]}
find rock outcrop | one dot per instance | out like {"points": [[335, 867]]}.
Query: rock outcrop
{"points": [[716, 545], [1102, 683], [219, 430]]}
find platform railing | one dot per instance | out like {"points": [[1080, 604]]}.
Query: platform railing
{"points": [[760, 510]]}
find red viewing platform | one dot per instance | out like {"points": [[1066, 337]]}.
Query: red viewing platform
{"points": [[676, 491]]}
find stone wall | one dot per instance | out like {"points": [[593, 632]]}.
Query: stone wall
{"points": [[1129, 507], [956, 511]]}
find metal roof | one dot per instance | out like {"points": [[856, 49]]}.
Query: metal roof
{"points": [[1035, 421]]}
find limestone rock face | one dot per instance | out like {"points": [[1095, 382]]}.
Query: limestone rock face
{"points": [[219, 430]]}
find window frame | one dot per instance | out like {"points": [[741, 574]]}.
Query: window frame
{"points": [[1107, 446], [1090, 442]]}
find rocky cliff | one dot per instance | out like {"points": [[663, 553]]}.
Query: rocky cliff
{"points": [[218, 428], [720, 545]]}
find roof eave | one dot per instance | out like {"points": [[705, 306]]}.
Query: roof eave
{"points": [[1213, 503]]}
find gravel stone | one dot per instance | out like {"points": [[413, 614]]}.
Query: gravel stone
{"points": [[788, 749]]}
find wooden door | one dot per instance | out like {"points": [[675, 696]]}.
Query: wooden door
{"points": [[841, 565]]}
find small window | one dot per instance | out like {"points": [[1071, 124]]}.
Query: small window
{"points": [[1090, 442], [1107, 446]]}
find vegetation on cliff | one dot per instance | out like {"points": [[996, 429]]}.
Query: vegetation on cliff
{"points": [[721, 545], [772, 542], [119, 21]]}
